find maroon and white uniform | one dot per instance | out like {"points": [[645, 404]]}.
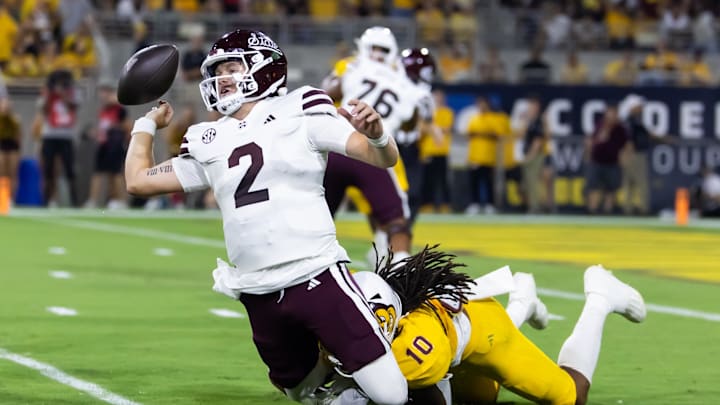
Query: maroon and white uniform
{"points": [[266, 173]]}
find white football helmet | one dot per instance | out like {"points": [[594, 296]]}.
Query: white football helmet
{"points": [[384, 302], [378, 37]]}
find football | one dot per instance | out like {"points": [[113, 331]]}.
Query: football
{"points": [[148, 74]]}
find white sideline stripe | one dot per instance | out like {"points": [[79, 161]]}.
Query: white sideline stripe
{"points": [[57, 250], [191, 240], [57, 375], [61, 274], [143, 232], [556, 317], [226, 313], [163, 252], [662, 309], [62, 311]]}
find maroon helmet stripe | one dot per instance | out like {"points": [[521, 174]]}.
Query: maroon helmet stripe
{"points": [[313, 103], [313, 93]]}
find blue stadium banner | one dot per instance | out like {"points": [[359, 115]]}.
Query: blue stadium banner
{"points": [[688, 117]]}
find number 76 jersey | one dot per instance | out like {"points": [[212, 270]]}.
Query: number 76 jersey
{"points": [[266, 173], [387, 90]]}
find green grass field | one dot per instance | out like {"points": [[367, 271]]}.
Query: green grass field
{"points": [[144, 330]]}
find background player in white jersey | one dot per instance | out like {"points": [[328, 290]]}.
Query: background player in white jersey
{"points": [[265, 160], [376, 77]]}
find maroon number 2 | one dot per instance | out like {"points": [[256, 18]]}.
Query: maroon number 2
{"points": [[243, 195]]}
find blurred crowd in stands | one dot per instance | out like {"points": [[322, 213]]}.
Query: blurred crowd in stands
{"points": [[40, 36], [53, 43]]}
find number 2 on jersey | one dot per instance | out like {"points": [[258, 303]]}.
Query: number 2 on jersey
{"points": [[243, 195], [422, 345], [382, 105]]}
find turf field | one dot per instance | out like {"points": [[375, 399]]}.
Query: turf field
{"points": [[143, 331]]}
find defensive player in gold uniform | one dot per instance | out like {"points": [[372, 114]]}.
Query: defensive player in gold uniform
{"points": [[439, 331]]}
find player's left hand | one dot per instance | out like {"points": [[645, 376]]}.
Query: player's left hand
{"points": [[363, 118]]}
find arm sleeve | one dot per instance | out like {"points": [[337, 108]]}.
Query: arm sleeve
{"points": [[190, 173], [328, 131]]}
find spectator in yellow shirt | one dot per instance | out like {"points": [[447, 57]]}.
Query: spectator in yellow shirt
{"points": [[484, 129], [696, 72], [455, 63], [21, 63], [434, 155], [623, 71], [619, 26], [8, 33], [50, 60], [574, 71], [431, 23], [81, 46]]}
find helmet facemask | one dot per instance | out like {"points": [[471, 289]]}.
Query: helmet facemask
{"points": [[263, 71], [246, 85]]}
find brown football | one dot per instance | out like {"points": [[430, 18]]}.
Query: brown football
{"points": [[148, 74]]}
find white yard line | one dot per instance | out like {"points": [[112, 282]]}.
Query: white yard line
{"points": [[62, 311], [142, 232], [61, 274], [57, 250], [663, 309], [198, 241], [226, 313], [65, 379], [163, 252]]}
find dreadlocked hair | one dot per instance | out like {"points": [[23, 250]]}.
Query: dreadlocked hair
{"points": [[424, 276]]}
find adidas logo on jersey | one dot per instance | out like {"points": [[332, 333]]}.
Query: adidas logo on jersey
{"points": [[268, 119], [312, 284]]}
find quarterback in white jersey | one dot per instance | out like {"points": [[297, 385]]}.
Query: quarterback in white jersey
{"points": [[268, 187], [264, 161]]}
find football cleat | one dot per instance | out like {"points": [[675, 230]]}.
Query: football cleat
{"points": [[526, 292], [622, 298]]}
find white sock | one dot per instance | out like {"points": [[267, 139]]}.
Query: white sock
{"points": [[518, 311], [397, 256], [381, 243], [581, 350], [379, 251]]}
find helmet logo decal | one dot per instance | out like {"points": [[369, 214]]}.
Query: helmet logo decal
{"points": [[262, 41], [386, 316]]}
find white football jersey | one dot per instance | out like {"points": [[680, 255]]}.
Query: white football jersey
{"points": [[426, 111], [266, 173], [389, 91]]}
